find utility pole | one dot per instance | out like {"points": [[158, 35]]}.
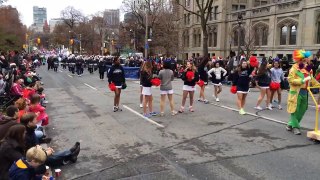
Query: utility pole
{"points": [[80, 45]]}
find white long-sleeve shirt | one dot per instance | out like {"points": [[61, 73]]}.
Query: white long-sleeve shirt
{"points": [[218, 72]]}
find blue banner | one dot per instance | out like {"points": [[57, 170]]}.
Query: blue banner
{"points": [[130, 72]]}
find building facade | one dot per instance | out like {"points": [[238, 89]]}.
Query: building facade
{"points": [[269, 27], [54, 22], [39, 18]]}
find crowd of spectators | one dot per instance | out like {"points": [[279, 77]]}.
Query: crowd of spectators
{"points": [[23, 121]]}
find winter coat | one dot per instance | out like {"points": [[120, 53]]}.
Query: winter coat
{"points": [[10, 151], [21, 170], [5, 123], [43, 116]]}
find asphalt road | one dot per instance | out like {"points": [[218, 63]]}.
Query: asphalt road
{"points": [[214, 142]]}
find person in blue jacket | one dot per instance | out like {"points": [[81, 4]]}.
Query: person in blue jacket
{"points": [[116, 75], [24, 168]]}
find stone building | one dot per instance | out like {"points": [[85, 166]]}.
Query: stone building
{"points": [[269, 27]]}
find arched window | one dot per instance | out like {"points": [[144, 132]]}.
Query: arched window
{"points": [[215, 37], [210, 38], [318, 31], [235, 38], [293, 35], [242, 37], [256, 37], [283, 35], [199, 38], [264, 34]]}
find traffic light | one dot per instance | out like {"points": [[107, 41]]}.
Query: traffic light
{"points": [[71, 41], [38, 40]]}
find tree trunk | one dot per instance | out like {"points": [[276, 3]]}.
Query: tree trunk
{"points": [[205, 49]]}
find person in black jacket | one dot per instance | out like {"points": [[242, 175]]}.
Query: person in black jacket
{"points": [[263, 81], [102, 68], [202, 70], [190, 76], [145, 77], [116, 75], [241, 79], [11, 149]]}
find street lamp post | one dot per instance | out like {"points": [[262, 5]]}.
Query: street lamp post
{"points": [[146, 38], [239, 19], [80, 44]]}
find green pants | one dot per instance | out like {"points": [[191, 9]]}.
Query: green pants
{"points": [[302, 106]]}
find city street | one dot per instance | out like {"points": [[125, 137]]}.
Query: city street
{"points": [[214, 142]]}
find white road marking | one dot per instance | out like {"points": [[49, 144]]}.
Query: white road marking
{"points": [[70, 75], [90, 86], [251, 114], [145, 118]]}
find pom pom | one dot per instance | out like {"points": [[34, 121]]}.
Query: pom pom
{"points": [[112, 87], [155, 82], [233, 89], [254, 61], [274, 86], [200, 83], [190, 75]]}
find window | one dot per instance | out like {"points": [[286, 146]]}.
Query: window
{"points": [[239, 5], [199, 39], [210, 39], [318, 32], [215, 12], [264, 34], [189, 18], [256, 37], [293, 35], [186, 38], [242, 37], [185, 19], [235, 37], [198, 18], [283, 35], [261, 2], [242, 7], [215, 38], [187, 3], [194, 39]]}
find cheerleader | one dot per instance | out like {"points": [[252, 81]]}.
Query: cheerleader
{"points": [[146, 76], [190, 76], [241, 79], [202, 70], [217, 73], [263, 80], [116, 76], [277, 76], [166, 75]]}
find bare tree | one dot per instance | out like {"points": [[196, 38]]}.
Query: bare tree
{"points": [[71, 16], [161, 19], [204, 11]]}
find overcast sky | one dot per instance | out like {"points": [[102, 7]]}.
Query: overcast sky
{"points": [[54, 7]]}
